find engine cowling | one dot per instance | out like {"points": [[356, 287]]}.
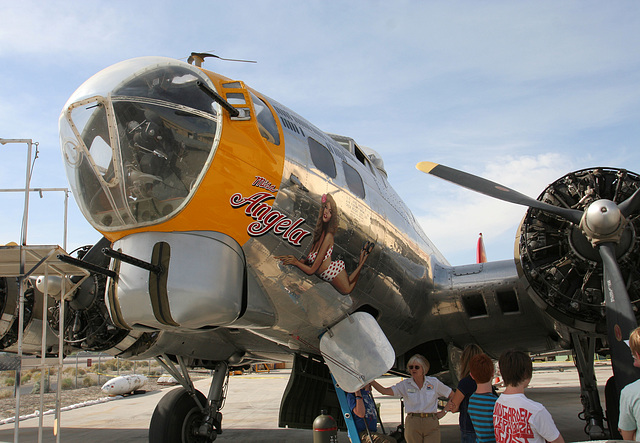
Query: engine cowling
{"points": [[563, 269]]}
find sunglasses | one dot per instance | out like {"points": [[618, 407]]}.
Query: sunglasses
{"points": [[414, 367]]}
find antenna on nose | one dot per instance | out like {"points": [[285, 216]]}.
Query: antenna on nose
{"points": [[198, 58]]}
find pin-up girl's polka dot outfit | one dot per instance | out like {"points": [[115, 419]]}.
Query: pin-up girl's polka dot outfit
{"points": [[335, 267]]}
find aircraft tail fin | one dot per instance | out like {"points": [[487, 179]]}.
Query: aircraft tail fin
{"points": [[481, 255]]}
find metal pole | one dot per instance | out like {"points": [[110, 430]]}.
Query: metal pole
{"points": [[66, 211], [25, 216], [23, 259], [23, 243], [43, 350], [63, 290]]}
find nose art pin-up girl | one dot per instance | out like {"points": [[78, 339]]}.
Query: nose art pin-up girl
{"points": [[319, 259]]}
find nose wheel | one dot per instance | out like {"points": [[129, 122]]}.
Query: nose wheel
{"points": [[185, 415], [177, 418]]}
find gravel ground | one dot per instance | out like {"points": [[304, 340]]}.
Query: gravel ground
{"points": [[31, 402]]}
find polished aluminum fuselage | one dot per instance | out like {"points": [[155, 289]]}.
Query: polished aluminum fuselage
{"points": [[415, 295]]}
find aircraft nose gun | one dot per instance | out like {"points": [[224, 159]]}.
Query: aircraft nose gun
{"points": [[147, 134], [156, 269], [87, 265]]}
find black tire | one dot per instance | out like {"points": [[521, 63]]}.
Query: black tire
{"points": [[176, 417]]}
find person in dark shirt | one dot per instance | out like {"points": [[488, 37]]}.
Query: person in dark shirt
{"points": [[365, 416], [466, 387]]}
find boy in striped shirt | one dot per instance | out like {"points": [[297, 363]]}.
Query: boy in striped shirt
{"points": [[482, 401]]}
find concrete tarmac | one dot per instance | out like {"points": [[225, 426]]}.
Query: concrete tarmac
{"points": [[253, 400]]}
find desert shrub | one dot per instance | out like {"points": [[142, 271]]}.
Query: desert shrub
{"points": [[36, 387], [26, 378], [9, 381], [99, 368], [67, 383], [112, 364], [126, 365], [81, 371], [88, 381]]}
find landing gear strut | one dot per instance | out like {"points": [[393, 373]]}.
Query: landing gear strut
{"points": [[583, 353], [184, 415]]}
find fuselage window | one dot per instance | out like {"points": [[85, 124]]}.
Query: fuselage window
{"points": [[236, 98], [266, 121], [474, 305], [322, 158], [354, 181], [508, 301]]}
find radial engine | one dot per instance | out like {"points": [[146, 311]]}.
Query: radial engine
{"points": [[559, 262]]}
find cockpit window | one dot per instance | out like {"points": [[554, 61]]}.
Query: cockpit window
{"points": [[266, 120], [134, 157], [175, 84]]}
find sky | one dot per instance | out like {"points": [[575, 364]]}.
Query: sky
{"points": [[520, 92]]}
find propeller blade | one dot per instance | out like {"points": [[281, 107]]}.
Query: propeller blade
{"points": [[495, 190], [620, 317], [630, 205]]}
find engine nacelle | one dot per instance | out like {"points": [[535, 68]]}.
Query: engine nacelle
{"points": [[563, 269]]}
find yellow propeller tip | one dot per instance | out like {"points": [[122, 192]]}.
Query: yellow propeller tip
{"points": [[426, 167]]}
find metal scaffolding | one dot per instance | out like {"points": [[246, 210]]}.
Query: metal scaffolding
{"points": [[23, 261]]}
